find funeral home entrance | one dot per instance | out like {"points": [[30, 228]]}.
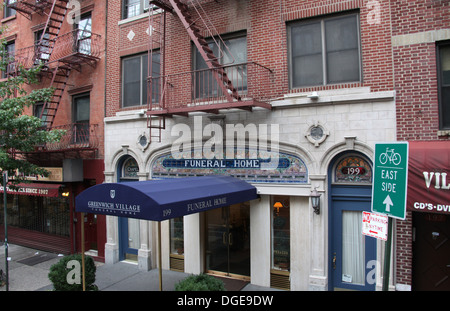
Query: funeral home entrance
{"points": [[228, 241]]}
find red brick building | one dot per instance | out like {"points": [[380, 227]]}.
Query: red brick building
{"points": [[305, 66], [69, 38], [421, 54]]}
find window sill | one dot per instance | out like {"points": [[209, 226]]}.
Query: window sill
{"points": [[136, 18], [7, 19], [443, 133], [330, 97]]}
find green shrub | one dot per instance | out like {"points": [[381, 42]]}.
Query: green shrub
{"points": [[202, 282], [59, 271]]}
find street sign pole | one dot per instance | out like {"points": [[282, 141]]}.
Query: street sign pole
{"points": [[389, 190], [5, 220], [387, 257]]}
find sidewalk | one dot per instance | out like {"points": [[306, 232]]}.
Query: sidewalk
{"points": [[28, 271]]}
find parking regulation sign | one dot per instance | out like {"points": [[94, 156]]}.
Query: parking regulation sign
{"points": [[390, 179], [375, 225]]}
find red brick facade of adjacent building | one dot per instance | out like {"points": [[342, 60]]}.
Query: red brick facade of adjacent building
{"points": [[416, 86], [21, 29]]}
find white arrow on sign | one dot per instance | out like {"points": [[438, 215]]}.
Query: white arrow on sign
{"points": [[388, 203]]}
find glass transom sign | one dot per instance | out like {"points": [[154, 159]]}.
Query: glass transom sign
{"points": [[290, 168], [353, 169]]}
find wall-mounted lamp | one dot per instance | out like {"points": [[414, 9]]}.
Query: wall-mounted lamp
{"points": [[278, 205], [313, 96], [315, 201], [65, 194]]}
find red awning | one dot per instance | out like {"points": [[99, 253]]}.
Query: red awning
{"points": [[429, 177], [36, 189]]}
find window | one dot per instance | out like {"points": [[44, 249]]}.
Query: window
{"points": [[281, 239], [10, 48], [230, 51], [84, 33], [44, 49], [134, 79], [8, 11], [133, 8], [444, 85], [353, 169], [324, 51], [38, 113], [176, 236], [81, 112]]}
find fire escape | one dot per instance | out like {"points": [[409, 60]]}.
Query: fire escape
{"points": [[220, 86], [58, 54]]}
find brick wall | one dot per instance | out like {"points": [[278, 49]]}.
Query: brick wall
{"points": [[265, 24], [22, 30], [416, 92]]}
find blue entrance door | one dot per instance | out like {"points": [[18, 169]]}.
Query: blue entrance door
{"points": [[352, 254]]}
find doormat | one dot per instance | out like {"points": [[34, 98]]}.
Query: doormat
{"points": [[232, 285], [39, 258]]}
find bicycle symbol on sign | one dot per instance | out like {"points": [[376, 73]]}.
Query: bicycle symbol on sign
{"points": [[391, 156]]}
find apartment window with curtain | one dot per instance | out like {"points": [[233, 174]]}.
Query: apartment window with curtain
{"points": [[443, 67], [324, 51]]}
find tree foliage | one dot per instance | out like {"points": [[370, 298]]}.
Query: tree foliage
{"points": [[18, 131]]}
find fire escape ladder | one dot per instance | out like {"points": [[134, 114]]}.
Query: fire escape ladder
{"points": [[194, 26], [60, 76], [156, 80], [51, 30]]}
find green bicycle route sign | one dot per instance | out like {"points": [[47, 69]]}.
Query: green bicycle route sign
{"points": [[390, 179]]}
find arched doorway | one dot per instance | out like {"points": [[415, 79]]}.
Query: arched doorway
{"points": [[129, 228], [352, 255]]}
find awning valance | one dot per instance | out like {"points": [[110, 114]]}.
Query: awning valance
{"points": [[159, 200], [429, 177], [35, 189]]}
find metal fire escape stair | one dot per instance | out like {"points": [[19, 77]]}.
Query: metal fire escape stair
{"points": [[59, 73], [60, 76], [52, 28], [156, 104], [211, 60], [156, 85]]}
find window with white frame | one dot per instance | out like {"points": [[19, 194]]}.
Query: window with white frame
{"points": [[324, 51], [133, 8]]}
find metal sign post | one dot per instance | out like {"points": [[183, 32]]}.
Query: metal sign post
{"points": [[389, 190], [5, 201]]}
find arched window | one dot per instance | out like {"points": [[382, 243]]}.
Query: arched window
{"points": [[128, 169], [353, 169]]}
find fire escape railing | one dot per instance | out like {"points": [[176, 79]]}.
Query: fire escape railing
{"points": [[199, 91], [75, 47], [77, 136]]}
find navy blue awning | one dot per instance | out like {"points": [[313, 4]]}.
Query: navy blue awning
{"points": [[164, 199]]}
